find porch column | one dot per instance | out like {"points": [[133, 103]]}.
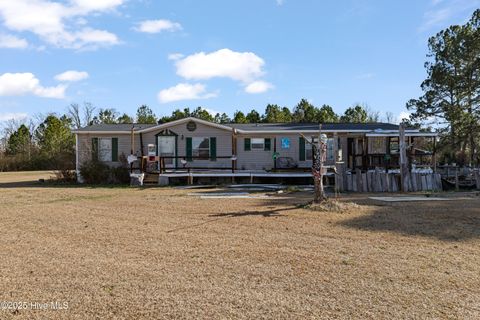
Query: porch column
{"points": [[234, 150]]}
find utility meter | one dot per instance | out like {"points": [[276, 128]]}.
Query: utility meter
{"points": [[151, 152]]}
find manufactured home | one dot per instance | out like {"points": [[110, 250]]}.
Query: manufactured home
{"points": [[272, 149]]}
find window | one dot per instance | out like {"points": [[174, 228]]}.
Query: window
{"points": [[394, 145], [359, 149], [376, 145], [105, 149], [330, 153], [308, 149], [201, 147], [257, 143]]}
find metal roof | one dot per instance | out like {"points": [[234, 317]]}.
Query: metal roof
{"points": [[372, 128], [312, 126], [127, 127]]}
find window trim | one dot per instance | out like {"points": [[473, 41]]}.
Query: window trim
{"points": [[197, 155], [252, 143], [330, 149]]}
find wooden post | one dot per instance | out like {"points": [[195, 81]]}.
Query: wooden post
{"points": [[477, 179], [358, 175], [274, 153], [132, 142], [141, 145], [457, 182], [336, 164], [434, 155], [234, 147], [403, 159]]}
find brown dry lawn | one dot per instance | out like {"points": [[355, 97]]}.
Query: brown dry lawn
{"points": [[159, 253]]}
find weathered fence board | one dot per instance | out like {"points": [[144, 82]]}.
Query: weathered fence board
{"points": [[364, 182], [391, 182]]}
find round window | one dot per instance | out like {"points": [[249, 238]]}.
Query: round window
{"points": [[191, 126]]}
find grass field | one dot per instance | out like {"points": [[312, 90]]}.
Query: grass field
{"points": [[155, 253]]}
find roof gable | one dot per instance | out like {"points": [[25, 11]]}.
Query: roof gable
{"points": [[185, 120]]}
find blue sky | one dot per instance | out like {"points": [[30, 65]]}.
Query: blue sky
{"points": [[222, 55]]}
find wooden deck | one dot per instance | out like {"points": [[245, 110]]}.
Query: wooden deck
{"points": [[164, 178]]}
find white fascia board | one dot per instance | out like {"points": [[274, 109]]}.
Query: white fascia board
{"points": [[103, 132], [184, 120], [408, 134], [298, 131]]}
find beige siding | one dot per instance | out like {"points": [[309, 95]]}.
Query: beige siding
{"points": [[246, 160], [253, 159], [85, 145], [263, 160], [224, 143]]}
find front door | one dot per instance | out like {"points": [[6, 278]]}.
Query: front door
{"points": [[166, 148]]}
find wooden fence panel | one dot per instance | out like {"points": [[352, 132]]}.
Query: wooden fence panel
{"points": [[364, 182], [390, 182]]}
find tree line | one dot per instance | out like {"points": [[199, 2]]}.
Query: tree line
{"points": [[47, 142], [303, 112]]}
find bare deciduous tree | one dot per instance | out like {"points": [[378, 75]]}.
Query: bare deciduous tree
{"points": [[74, 114], [390, 117], [81, 116]]}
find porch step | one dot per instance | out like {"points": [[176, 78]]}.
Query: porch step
{"points": [[150, 179]]}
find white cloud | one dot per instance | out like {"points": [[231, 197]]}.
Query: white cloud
{"points": [[19, 84], [72, 75], [96, 5], [184, 91], [95, 37], [445, 12], [175, 56], [280, 2], [157, 26], [240, 66], [12, 42], [13, 116], [55, 22], [258, 87]]}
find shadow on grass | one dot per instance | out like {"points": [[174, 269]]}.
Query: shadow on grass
{"points": [[447, 221], [222, 216], [265, 213]]}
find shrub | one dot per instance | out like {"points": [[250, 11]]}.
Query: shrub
{"points": [[120, 175], [95, 172]]}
